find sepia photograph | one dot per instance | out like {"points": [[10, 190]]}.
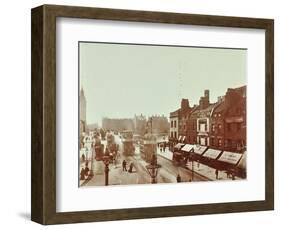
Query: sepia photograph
{"points": [[152, 114]]}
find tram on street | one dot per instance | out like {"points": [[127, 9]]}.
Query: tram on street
{"points": [[128, 143]]}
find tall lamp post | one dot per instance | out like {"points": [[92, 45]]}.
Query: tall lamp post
{"points": [[153, 169], [192, 163]]}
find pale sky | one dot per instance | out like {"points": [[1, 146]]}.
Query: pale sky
{"points": [[122, 80]]}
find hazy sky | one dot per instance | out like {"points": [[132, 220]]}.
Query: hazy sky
{"points": [[123, 80]]}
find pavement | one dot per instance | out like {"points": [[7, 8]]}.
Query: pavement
{"points": [[166, 174]]}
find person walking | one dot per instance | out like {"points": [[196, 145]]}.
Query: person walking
{"points": [[82, 174], [124, 165], [178, 178], [131, 167], [217, 174], [86, 170]]}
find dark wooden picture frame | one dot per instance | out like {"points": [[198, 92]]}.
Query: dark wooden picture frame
{"points": [[43, 188]]}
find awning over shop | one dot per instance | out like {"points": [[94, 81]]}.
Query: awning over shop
{"points": [[199, 149], [230, 157], [187, 148], [242, 163], [179, 145], [212, 153]]}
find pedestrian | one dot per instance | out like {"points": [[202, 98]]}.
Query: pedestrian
{"points": [[131, 167], [217, 174], [178, 178], [87, 170], [82, 174], [124, 164], [83, 157], [227, 174]]}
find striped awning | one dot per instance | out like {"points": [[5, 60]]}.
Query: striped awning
{"points": [[187, 148], [199, 149], [230, 157], [212, 153], [179, 145]]}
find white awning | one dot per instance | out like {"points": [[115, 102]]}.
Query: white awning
{"points": [[187, 148], [212, 153], [243, 162], [230, 157], [199, 149], [178, 145]]}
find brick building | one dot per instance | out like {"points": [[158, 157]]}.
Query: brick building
{"points": [[228, 121]]}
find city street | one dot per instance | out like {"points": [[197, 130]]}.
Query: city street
{"points": [[167, 172]]}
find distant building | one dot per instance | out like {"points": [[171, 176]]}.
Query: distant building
{"points": [[140, 124], [174, 121], [83, 107], [184, 112], [118, 124], [160, 124], [91, 127]]}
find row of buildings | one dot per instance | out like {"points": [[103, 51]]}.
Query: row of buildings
{"points": [[219, 125], [140, 124]]}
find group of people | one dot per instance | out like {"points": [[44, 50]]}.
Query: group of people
{"points": [[84, 173], [162, 146], [124, 166]]}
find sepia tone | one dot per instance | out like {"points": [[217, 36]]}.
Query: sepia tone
{"points": [[137, 123], [43, 160]]}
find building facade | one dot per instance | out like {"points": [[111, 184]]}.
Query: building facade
{"points": [[140, 124], [118, 124], [174, 125], [220, 125], [82, 114]]}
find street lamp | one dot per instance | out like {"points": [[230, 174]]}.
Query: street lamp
{"points": [[153, 169], [192, 162]]}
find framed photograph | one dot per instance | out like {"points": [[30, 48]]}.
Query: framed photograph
{"points": [[139, 114]]}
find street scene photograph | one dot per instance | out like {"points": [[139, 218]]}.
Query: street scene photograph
{"points": [[152, 114]]}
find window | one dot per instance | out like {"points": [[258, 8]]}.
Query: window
{"points": [[219, 114], [175, 124], [212, 141], [219, 128], [175, 135], [213, 128], [171, 134], [171, 124], [219, 142]]}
